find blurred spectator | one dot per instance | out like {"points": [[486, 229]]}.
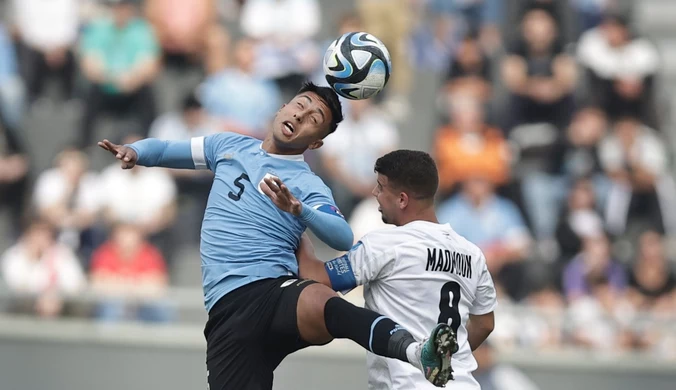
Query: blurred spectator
{"points": [[67, 196], [131, 276], [285, 30], [243, 101], [538, 74], [621, 68], [13, 173], [495, 225], [467, 147], [483, 16], [140, 196], [120, 57], [182, 28], [600, 320], [581, 157], [635, 159], [433, 41], [652, 281], [12, 92], [390, 22], [652, 291], [541, 79], [349, 154], [560, 12], [590, 13], [544, 190], [39, 268], [493, 375], [541, 327], [217, 51], [470, 71], [191, 121], [578, 221], [47, 32], [589, 268]]}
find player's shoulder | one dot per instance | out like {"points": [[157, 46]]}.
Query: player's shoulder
{"points": [[230, 141]]}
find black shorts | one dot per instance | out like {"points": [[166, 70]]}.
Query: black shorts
{"points": [[250, 331]]}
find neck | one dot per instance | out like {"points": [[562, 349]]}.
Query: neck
{"points": [[271, 147], [426, 214]]}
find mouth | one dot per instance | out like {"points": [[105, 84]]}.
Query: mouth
{"points": [[287, 128]]}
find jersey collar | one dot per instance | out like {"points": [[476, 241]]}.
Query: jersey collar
{"points": [[288, 157]]}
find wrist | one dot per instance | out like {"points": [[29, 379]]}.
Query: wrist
{"points": [[299, 211]]}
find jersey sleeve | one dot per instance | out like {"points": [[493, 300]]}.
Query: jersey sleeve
{"points": [[369, 260], [207, 150], [485, 300]]}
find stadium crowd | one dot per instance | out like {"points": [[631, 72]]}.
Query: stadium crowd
{"points": [[550, 146]]}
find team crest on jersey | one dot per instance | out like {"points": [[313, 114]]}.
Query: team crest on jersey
{"points": [[228, 156], [267, 176]]}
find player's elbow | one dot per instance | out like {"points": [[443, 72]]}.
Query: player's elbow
{"points": [[345, 243]]}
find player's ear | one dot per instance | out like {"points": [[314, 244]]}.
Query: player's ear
{"points": [[403, 200], [316, 145]]}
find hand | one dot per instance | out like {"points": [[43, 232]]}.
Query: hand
{"points": [[123, 153], [280, 195]]}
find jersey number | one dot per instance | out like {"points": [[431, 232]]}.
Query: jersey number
{"points": [[448, 308], [238, 184]]}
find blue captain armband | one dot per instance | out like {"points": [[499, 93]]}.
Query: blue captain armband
{"points": [[330, 209], [340, 274]]}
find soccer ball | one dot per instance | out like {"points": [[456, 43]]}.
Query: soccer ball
{"points": [[357, 65]]}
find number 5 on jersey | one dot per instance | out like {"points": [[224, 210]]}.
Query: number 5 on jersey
{"points": [[449, 308], [240, 185]]}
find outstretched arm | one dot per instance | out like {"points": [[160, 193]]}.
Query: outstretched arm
{"points": [[152, 152], [327, 226]]}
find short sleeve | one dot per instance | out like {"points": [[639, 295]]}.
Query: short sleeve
{"points": [[372, 258], [485, 300], [320, 195], [207, 150]]}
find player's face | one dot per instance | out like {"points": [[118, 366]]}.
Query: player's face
{"points": [[302, 123], [388, 200]]}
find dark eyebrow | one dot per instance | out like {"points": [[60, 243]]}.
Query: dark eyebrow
{"points": [[318, 108]]}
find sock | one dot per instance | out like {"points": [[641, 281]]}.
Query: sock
{"points": [[372, 331]]}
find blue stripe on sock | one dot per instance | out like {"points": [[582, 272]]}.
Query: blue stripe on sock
{"points": [[373, 326]]}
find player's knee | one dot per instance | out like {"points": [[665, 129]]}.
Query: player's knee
{"points": [[311, 314], [315, 296]]}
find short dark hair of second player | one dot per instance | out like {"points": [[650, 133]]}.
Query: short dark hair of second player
{"points": [[412, 171], [330, 97]]}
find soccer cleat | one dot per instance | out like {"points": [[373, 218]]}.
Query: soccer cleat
{"points": [[435, 355]]}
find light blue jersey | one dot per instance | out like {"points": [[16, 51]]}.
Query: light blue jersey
{"points": [[245, 237]]}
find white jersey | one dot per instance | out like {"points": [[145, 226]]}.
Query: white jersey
{"points": [[422, 274]]}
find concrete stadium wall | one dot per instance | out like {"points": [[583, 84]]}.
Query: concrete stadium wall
{"points": [[58, 355]]}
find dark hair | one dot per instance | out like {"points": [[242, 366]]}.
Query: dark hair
{"points": [[330, 97], [411, 170]]}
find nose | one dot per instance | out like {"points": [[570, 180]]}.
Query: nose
{"points": [[299, 116], [374, 191]]}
